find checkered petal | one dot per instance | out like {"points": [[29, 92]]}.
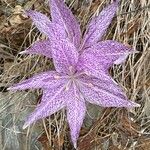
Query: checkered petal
{"points": [[45, 26], [108, 85], [65, 56], [41, 21], [88, 64], [98, 25], [43, 80], [103, 97], [40, 47], [76, 110], [59, 11], [100, 57], [50, 104]]}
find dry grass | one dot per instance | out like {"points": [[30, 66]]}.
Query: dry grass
{"points": [[114, 129]]}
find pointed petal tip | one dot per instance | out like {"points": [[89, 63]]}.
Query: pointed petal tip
{"points": [[11, 88], [75, 145], [23, 52], [25, 126], [136, 104], [133, 104]]}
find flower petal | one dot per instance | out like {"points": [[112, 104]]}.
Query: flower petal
{"points": [[40, 47], [90, 65], [50, 104], [76, 110], [50, 91], [59, 11], [110, 52], [65, 56], [107, 85], [43, 23], [104, 98], [43, 80], [99, 24], [100, 57]]}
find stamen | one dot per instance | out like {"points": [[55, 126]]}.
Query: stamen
{"points": [[71, 69], [57, 77], [87, 73], [90, 85], [67, 88]]}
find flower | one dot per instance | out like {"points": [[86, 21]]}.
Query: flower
{"points": [[81, 66]]}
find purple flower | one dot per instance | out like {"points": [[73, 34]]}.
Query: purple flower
{"points": [[81, 66]]}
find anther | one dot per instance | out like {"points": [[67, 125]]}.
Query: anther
{"points": [[87, 73], [66, 88], [71, 69], [57, 77], [90, 85]]}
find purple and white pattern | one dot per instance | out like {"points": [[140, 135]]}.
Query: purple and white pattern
{"points": [[81, 67]]}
